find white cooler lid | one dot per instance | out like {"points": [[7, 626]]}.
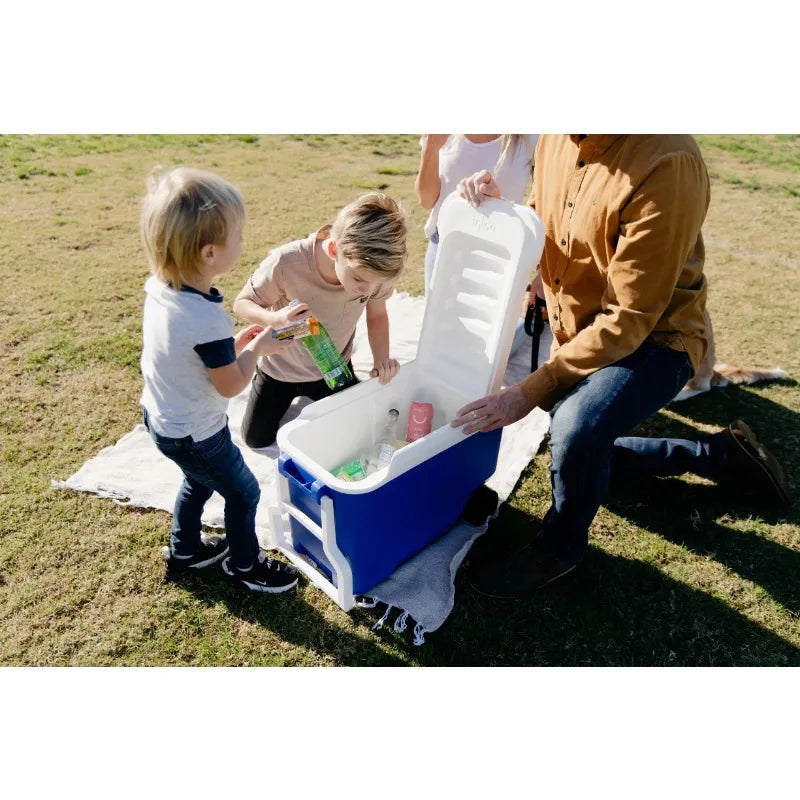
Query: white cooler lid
{"points": [[484, 261]]}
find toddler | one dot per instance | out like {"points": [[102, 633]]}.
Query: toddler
{"points": [[192, 363]]}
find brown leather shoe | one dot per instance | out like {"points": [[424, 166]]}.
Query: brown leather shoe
{"points": [[750, 465]]}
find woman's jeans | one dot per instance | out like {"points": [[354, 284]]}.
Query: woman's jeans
{"points": [[585, 444], [213, 464]]}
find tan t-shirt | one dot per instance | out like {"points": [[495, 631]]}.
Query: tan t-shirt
{"points": [[290, 272]]}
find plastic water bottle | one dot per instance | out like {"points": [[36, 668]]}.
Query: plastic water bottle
{"points": [[324, 351], [385, 446], [328, 359]]}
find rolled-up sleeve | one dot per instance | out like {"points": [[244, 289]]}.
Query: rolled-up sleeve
{"points": [[265, 285]]}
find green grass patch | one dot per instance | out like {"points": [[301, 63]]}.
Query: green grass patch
{"points": [[395, 171], [780, 151], [680, 572]]}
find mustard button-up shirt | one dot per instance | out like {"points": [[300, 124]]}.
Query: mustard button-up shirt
{"points": [[623, 255]]}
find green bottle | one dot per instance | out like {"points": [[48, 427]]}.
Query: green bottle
{"points": [[328, 359]]}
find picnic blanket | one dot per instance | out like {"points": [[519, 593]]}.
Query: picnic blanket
{"points": [[133, 472]]}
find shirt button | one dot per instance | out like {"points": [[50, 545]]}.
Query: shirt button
{"points": [[563, 242], [581, 163], [555, 318], [557, 281], [570, 204]]}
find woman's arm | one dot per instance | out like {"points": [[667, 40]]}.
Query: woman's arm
{"points": [[428, 184]]}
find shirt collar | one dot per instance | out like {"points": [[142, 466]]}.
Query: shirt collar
{"points": [[214, 296], [599, 142]]}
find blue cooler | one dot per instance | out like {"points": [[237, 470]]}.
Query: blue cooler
{"points": [[346, 537]]}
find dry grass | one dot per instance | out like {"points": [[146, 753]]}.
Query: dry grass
{"points": [[680, 573]]}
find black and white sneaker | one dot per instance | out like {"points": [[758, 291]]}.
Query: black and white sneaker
{"points": [[212, 549], [266, 575]]}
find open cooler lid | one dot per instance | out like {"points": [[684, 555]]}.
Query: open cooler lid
{"points": [[484, 261]]}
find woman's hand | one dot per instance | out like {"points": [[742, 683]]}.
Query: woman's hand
{"points": [[385, 369], [493, 411], [478, 187]]}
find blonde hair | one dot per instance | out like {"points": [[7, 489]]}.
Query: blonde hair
{"points": [[183, 211], [511, 144], [370, 233]]}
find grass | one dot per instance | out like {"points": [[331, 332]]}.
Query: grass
{"points": [[680, 573]]}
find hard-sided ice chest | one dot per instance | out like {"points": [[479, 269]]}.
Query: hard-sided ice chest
{"points": [[346, 537]]}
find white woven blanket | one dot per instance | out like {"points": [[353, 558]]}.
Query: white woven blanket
{"points": [[133, 472]]}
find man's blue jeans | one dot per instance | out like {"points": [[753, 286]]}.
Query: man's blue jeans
{"points": [[585, 444], [213, 464]]}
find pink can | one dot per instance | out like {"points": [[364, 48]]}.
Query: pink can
{"points": [[420, 419]]}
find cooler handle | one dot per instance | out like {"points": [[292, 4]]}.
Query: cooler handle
{"points": [[315, 489]]}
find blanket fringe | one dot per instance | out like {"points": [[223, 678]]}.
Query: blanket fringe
{"points": [[380, 623], [419, 635], [401, 623], [366, 602]]}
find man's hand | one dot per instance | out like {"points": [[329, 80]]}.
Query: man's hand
{"points": [[385, 369], [478, 187], [493, 411]]}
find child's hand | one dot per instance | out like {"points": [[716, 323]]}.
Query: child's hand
{"points": [[244, 336], [265, 345], [385, 370], [290, 314], [248, 333]]}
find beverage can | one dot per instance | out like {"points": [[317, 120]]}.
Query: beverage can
{"points": [[351, 471], [304, 327], [420, 421]]}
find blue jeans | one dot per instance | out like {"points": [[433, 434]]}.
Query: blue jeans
{"points": [[585, 444], [213, 464]]}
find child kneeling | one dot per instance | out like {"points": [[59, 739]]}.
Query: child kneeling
{"points": [[192, 363], [338, 272]]}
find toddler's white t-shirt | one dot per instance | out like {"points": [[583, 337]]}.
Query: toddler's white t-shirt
{"points": [[185, 334]]}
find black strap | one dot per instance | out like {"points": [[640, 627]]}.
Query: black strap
{"points": [[534, 325]]}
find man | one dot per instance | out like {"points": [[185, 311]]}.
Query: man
{"points": [[622, 271]]}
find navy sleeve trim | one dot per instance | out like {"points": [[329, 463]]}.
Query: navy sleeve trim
{"points": [[217, 354]]}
